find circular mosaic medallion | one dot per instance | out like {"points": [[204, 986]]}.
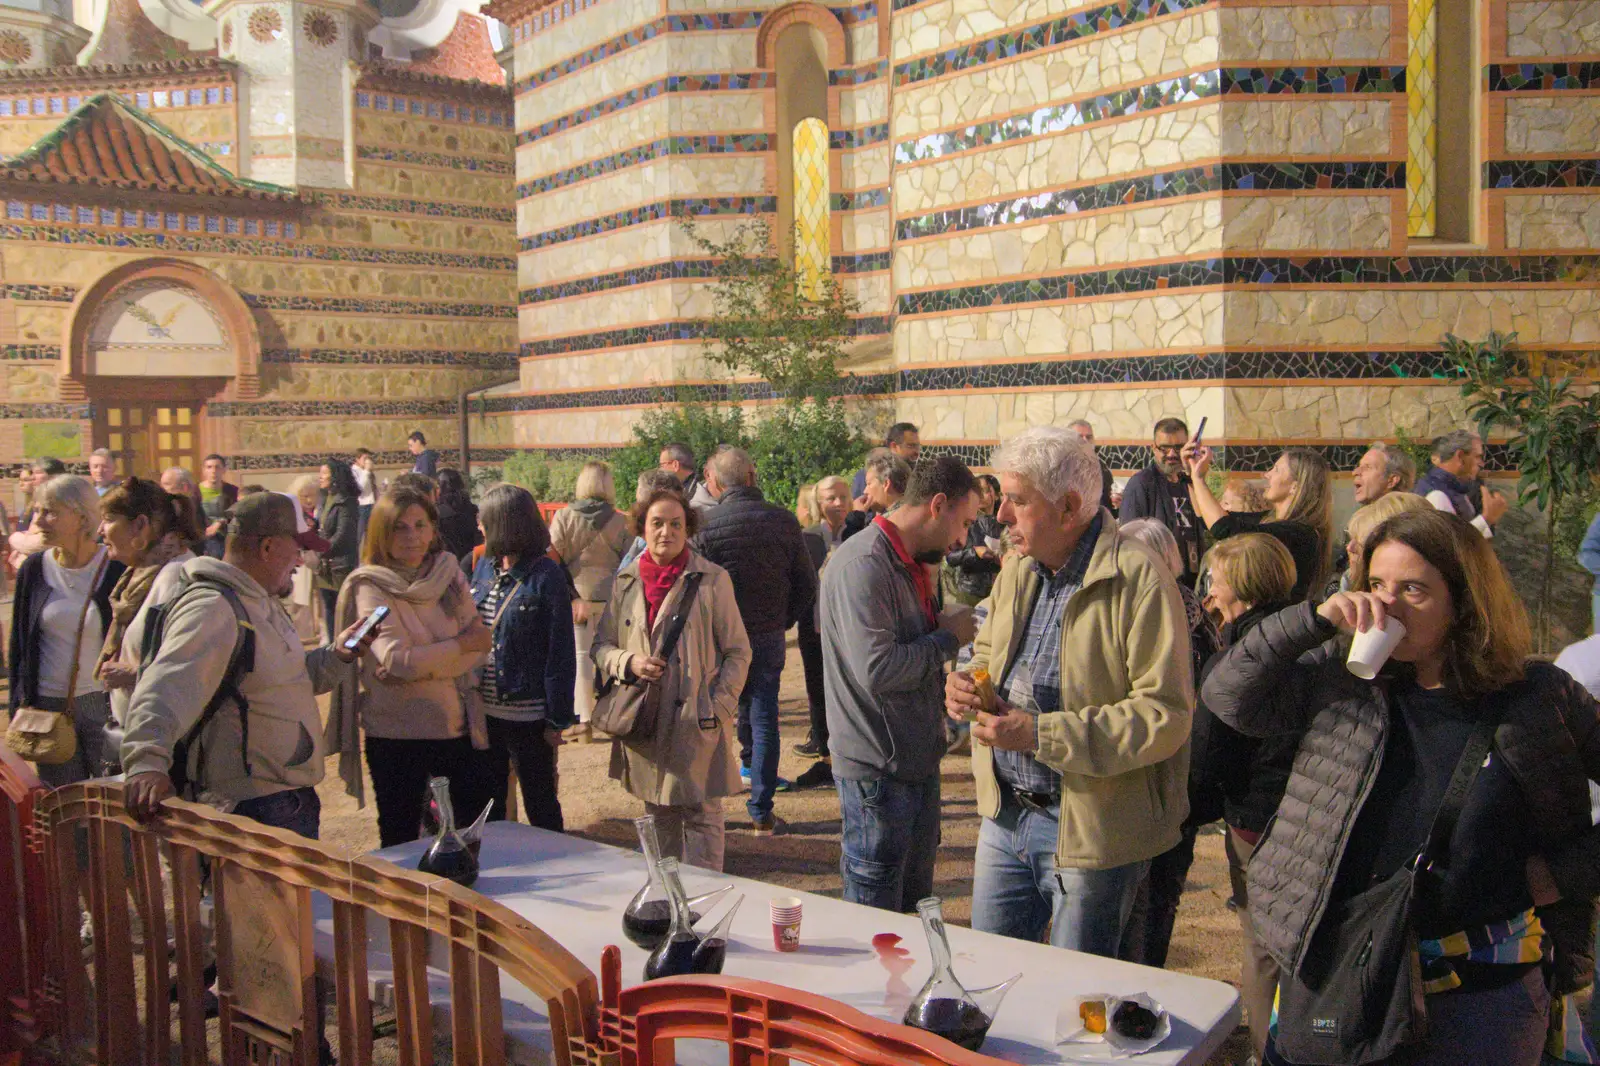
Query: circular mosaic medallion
{"points": [[227, 35], [266, 24], [320, 28], [14, 47]]}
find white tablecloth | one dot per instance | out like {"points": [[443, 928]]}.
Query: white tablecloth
{"points": [[575, 890]]}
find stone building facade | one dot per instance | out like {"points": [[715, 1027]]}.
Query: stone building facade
{"points": [[276, 230], [1263, 212]]}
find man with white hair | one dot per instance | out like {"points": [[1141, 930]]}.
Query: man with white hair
{"points": [[1085, 430], [1082, 759]]}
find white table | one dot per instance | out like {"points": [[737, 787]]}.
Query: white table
{"points": [[576, 889]]}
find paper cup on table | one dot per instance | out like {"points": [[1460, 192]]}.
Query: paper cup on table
{"points": [[1370, 650], [785, 911]]}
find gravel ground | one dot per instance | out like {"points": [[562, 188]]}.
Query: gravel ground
{"points": [[806, 854]]}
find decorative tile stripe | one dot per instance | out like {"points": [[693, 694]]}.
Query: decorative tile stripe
{"points": [[1259, 270], [673, 83], [359, 306], [698, 205], [1337, 366], [59, 294], [266, 249], [60, 411], [1541, 173], [410, 357], [1088, 22], [130, 217], [712, 144], [864, 74], [1106, 371], [860, 199], [1167, 92], [374, 154], [663, 333], [1540, 77], [331, 408], [32, 353], [651, 395], [145, 100], [1189, 181], [699, 22], [867, 263], [846, 140], [447, 110], [396, 206], [312, 460]]}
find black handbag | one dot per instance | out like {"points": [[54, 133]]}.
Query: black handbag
{"points": [[1357, 995]]}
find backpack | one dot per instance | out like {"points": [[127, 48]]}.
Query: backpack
{"points": [[243, 659]]}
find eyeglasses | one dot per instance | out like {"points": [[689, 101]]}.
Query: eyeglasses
{"points": [[1172, 449]]}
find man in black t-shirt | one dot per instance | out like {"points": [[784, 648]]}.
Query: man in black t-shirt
{"points": [[1161, 491]]}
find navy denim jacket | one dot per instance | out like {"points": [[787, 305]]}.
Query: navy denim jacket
{"points": [[535, 654]]}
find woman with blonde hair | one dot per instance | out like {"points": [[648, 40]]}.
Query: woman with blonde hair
{"points": [[1496, 897], [689, 761], [1299, 496], [589, 537], [416, 703], [61, 612], [1360, 527]]}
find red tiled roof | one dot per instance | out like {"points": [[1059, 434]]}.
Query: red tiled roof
{"points": [[465, 53], [164, 70], [395, 76], [110, 143]]}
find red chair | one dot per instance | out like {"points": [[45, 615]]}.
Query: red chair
{"points": [[763, 1024], [24, 913]]}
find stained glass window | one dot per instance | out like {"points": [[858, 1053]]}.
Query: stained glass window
{"points": [[1422, 114], [811, 242]]}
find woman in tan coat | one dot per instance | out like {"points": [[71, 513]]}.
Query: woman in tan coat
{"points": [[689, 761], [589, 538], [416, 704]]}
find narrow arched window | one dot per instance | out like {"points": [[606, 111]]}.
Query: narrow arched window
{"points": [[1422, 117], [1442, 119], [812, 247]]}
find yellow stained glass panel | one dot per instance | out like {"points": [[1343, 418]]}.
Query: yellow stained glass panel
{"points": [[1422, 117], [812, 246]]}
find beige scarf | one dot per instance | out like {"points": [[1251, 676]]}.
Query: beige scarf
{"points": [[434, 583], [133, 588]]}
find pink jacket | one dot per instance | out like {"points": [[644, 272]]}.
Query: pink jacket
{"points": [[410, 674]]}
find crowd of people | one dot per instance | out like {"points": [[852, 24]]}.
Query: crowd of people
{"points": [[1124, 667]]}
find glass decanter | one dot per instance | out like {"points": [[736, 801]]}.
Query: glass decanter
{"points": [[448, 855], [675, 955], [649, 914], [944, 1007], [713, 949]]}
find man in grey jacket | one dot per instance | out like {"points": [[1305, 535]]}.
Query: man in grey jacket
{"points": [[884, 646], [285, 755]]}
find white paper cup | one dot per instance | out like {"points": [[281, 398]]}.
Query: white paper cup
{"points": [[1370, 650]]}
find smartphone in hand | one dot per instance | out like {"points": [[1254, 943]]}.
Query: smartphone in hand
{"points": [[378, 614]]}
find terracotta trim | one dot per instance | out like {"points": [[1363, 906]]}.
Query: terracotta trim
{"points": [[236, 316], [805, 11]]}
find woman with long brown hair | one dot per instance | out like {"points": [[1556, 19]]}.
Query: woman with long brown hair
{"points": [[1499, 893], [1299, 513]]}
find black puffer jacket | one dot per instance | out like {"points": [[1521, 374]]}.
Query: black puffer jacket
{"points": [[759, 545], [974, 573], [1288, 673]]}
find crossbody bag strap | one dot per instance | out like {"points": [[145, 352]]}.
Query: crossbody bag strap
{"points": [[77, 644], [680, 617], [1473, 757]]}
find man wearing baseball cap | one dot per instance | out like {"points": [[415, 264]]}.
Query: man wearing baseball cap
{"points": [[260, 754]]}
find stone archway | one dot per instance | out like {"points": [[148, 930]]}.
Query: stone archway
{"points": [[149, 343]]}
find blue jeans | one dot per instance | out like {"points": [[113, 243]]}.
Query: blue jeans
{"points": [[298, 810], [889, 841], [758, 704], [1018, 890]]}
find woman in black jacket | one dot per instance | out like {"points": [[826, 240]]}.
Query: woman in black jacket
{"points": [[1300, 511], [1237, 778], [339, 523], [458, 515], [1511, 885]]}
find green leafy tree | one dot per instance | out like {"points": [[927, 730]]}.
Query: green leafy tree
{"points": [[701, 426], [1554, 422], [799, 443]]}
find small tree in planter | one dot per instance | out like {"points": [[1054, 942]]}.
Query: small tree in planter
{"points": [[1554, 422]]}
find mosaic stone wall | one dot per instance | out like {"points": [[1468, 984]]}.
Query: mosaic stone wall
{"points": [[1116, 210], [377, 307]]}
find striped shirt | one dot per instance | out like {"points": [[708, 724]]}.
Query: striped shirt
{"points": [[531, 710]]}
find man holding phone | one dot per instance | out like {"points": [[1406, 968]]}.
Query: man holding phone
{"points": [[269, 771], [1161, 491]]}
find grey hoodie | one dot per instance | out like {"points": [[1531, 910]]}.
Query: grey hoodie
{"points": [[285, 723]]}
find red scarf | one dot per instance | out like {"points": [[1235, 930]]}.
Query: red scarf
{"points": [[919, 573], [658, 579]]}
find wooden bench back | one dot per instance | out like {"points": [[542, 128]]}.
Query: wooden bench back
{"points": [[22, 912]]}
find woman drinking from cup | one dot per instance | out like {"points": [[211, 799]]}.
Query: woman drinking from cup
{"points": [[688, 760], [1432, 808]]}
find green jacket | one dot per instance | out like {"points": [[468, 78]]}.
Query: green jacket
{"points": [[1121, 740]]}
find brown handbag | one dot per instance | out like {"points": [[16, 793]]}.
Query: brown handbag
{"points": [[633, 708], [49, 738]]}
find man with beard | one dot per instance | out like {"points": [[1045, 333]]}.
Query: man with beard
{"points": [[884, 646], [1161, 491]]}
